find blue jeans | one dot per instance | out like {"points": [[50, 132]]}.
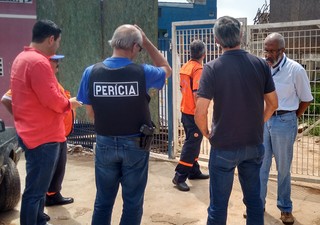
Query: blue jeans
{"points": [[119, 160], [222, 163], [279, 136], [40, 164]]}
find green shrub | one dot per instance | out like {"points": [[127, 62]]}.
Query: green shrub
{"points": [[314, 107]]}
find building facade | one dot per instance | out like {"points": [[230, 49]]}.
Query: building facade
{"points": [[169, 12], [17, 18]]}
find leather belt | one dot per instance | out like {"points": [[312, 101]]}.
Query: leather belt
{"points": [[281, 112]]}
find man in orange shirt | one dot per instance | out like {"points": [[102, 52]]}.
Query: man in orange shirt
{"points": [[190, 74], [53, 196], [39, 109]]}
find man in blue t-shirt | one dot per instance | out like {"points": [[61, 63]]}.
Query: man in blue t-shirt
{"points": [[239, 84], [115, 93]]}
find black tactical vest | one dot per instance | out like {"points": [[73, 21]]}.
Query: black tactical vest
{"points": [[119, 99]]}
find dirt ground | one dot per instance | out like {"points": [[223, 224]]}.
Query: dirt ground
{"points": [[164, 205]]}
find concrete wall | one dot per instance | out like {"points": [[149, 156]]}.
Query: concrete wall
{"points": [[294, 10], [86, 28]]}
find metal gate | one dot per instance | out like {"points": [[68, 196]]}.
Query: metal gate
{"points": [[183, 33], [302, 45]]}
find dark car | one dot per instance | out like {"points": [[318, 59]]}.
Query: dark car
{"points": [[9, 176]]}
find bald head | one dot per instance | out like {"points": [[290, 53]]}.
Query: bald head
{"points": [[125, 36], [274, 47], [276, 38]]}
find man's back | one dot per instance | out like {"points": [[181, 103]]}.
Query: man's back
{"points": [[114, 92], [125, 89], [190, 74], [237, 83]]}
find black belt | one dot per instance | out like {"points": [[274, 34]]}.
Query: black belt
{"points": [[281, 112]]}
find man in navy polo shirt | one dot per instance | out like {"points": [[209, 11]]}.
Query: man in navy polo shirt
{"points": [[238, 83]]}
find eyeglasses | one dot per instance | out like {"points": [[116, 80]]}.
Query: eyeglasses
{"points": [[140, 48], [272, 52]]}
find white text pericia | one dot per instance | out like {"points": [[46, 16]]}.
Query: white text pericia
{"points": [[116, 89]]}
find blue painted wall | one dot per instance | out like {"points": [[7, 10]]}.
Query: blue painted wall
{"points": [[169, 12]]}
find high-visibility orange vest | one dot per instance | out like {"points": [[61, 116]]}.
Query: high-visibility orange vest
{"points": [[190, 74], [69, 118]]}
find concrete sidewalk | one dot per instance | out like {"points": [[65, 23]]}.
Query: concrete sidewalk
{"points": [[164, 204]]}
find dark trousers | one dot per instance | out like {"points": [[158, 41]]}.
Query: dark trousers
{"points": [[188, 164], [56, 182]]}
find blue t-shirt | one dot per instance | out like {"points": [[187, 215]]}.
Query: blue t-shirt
{"points": [[155, 76]]}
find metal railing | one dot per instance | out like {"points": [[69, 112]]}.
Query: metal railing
{"points": [[302, 45], [181, 39]]}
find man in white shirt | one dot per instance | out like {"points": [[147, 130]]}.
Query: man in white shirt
{"points": [[294, 97]]}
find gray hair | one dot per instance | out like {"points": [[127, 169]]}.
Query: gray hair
{"points": [[125, 36], [197, 49], [276, 37], [227, 31]]}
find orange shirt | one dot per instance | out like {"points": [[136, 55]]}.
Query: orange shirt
{"points": [[190, 74], [37, 103], [69, 118]]}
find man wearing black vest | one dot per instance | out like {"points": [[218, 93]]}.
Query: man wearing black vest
{"points": [[115, 93]]}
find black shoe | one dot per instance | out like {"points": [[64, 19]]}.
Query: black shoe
{"points": [[57, 199], [181, 186], [46, 217], [200, 176]]}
